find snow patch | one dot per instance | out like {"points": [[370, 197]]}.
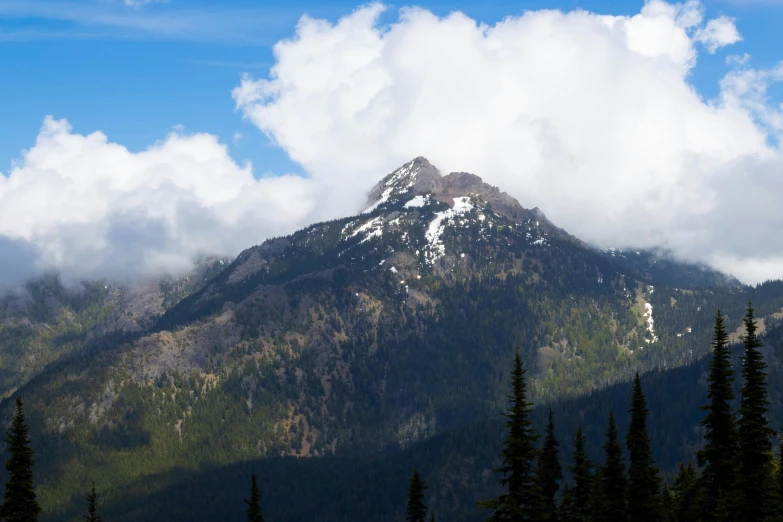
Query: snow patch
{"points": [[417, 202], [650, 323], [436, 249], [394, 184], [373, 228]]}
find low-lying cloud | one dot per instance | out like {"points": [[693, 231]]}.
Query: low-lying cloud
{"points": [[590, 117], [91, 209]]}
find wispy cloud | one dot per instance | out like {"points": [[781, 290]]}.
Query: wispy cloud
{"points": [[139, 3], [38, 19]]}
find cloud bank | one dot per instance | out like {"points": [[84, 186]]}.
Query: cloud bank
{"points": [[92, 209], [590, 117]]}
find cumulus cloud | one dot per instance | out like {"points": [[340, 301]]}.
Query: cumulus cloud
{"points": [[91, 209], [718, 33], [591, 117]]}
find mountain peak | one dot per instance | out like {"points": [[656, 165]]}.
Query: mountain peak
{"points": [[419, 177], [416, 177]]}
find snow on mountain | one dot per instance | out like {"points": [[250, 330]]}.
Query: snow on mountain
{"points": [[417, 202], [435, 248]]}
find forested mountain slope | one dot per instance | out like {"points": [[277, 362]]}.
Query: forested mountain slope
{"points": [[456, 462], [362, 337]]}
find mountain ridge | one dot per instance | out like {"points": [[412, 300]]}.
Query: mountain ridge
{"points": [[364, 334]]}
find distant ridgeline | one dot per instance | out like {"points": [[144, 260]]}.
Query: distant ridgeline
{"points": [[334, 361]]}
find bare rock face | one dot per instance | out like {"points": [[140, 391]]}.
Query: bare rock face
{"points": [[414, 178], [419, 177]]}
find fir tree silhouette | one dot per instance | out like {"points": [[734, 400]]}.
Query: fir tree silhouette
{"points": [[521, 500], [755, 435], [583, 486], [254, 512], [615, 482], [643, 479], [719, 456], [19, 500], [416, 509], [549, 472], [92, 506]]}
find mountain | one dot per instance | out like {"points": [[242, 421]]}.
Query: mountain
{"points": [[46, 320], [354, 342]]}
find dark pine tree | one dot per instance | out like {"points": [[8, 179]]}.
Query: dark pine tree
{"points": [[549, 472], [667, 505], [432, 517], [755, 435], [596, 505], [580, 467], [254, 512], [92, 506], [567, 509], [19, 501], [521, 499], [416, 510], [719, 456], [686, 502], [615, 483], [779, 485], [643, 481]]}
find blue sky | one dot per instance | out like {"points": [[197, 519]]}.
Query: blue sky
{"points": [[136, 72]]}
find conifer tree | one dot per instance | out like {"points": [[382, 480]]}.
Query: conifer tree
{"points": [[779, 485], [755, 435], [685, 494], [521, 499], [432, 517], [580, 468], [416, 510], [719, 456], [596, 505], [643, 480], [667, 505], [254, 512], [549, 472], [92, 506], [19, 500], [615, 482], [567, 509]]}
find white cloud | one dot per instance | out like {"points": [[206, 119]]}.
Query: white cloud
{"points": [[590, 117], [90, 208], [738, 60], [718, 33]]}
